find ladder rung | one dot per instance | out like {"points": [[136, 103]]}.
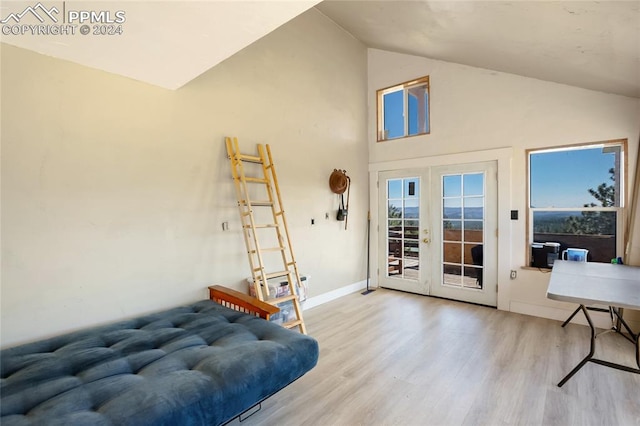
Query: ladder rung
{"points": [[250, 158], [292, 324], [263, 225], [268, 249], [277, 274], [280, 213], [278, 300], [256, 180], [261, 203], [273, 249], [270, 275]]}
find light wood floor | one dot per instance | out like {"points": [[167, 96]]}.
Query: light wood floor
{"points": [[391, 358]]}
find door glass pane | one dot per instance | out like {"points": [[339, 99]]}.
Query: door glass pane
{"points": [[452, 230], [452, 252], [452, 208], [452, 234], [473, 207], [412, 188], [403, 228], [451, 186], [411, 232], [452, 275], [473, 184], [395, 208], [463, 198], [411, 208], [472, 277], [394, 189], [395, 231], [473, 225], [468, 253], [410, 249], [395, 248], [473, 234]]}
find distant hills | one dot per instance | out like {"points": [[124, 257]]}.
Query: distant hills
{"points": [[449, 213], [469, 213]]}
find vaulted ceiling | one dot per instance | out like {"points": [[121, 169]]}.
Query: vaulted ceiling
{"points": [[165, 43], [590, 44]]}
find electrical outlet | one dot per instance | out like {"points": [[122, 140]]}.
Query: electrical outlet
{"points": [[514, 274], [225, 226]]}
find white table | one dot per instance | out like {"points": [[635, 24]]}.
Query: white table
{"points": [[617, 286]]}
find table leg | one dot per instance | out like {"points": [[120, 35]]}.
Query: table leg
{"points": [[621, 321], [636, 341], [571, 317], [591, 351], [638, 350]]}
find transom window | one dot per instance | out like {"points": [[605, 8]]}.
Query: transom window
{"points": [[403, 110], [576, 199]]}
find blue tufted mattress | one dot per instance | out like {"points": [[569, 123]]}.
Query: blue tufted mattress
{"points": [[201, 364]]}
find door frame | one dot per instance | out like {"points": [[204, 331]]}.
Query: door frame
{"points": [[503, 158]]}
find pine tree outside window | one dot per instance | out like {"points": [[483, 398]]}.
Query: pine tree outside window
{"points": [[576, 198]]}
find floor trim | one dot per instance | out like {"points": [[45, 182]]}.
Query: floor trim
{"points": [[312, 302]]}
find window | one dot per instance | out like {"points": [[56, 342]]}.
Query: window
{"points": [[576, 198], [403, 110]]}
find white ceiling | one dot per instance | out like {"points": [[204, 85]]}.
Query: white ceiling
{"points": [[590, 44], [165, 43]]}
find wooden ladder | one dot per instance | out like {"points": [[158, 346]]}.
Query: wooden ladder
{"points": [[260, 217]]}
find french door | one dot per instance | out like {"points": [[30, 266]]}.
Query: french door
{"points": [[437, 231]]}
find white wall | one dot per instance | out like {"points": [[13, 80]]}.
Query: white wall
{"points": [[475, 109], [114, 191]]}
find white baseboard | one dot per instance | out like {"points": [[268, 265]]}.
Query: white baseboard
{"points": [[312, 302], [600, 319]]}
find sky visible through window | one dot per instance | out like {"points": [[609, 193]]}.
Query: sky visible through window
{"points": [[394, 118], [563, 178]]}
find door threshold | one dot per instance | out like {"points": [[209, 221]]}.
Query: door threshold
{"points": [[441, 298]]}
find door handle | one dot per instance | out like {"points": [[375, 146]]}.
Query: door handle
{"points": [[425, 240]]}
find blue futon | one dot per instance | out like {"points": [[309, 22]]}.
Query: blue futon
{"points": [[202, 364]]}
